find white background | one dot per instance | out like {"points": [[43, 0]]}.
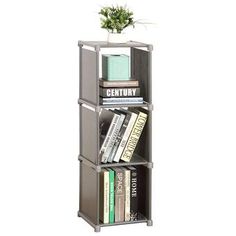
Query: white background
{"points": [[194, 58]]}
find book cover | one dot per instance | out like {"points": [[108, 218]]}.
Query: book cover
{"points": [[118, 83], [113, 136], [111, 195], [119, 137], [104, 196], [121, 100], [119, 195], [127, 173], [119, 92], [126, 135], [105, 119], [108, 136], [134, 191], [134, 136]]}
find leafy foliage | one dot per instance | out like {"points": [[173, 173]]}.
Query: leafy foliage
{"points": [[116, 19]]}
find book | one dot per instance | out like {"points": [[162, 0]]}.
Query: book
{"points": [[104, 196], [119, 92], [126, 135], [134, 136], [121, 100], [134, 191], [119, 137], [118, 83], [113, 135], [119, 195], [105, 119], [108, 136], [127, 173], [111, 195]]}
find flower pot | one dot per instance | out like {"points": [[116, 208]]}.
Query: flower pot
{"points": [[116, 38]]}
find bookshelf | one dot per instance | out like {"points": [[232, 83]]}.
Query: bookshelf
{"points": [[89, 141]]}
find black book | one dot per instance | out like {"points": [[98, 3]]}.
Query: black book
{"points": [[119, 92], [134, 211]]}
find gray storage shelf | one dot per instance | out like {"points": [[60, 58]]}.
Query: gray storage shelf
{"points": [[89, 110]]}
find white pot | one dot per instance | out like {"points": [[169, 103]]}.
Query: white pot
{"points": [[116, 38]]}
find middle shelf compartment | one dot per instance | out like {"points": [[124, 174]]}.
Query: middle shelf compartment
{"points": [[106, 143]]}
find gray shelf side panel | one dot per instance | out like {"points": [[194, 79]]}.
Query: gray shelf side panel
{"points": [[144, 200], [89, 197], [89, 134], [141, 71], [88, 75]]}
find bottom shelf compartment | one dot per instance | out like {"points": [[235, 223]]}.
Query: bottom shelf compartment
{"points": [[124, 194], [115, 195]]}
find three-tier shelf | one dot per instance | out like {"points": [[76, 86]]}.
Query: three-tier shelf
{"points": [[89, 141]]}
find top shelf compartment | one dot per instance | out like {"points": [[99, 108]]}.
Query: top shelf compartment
{"points": [[91, 67]]}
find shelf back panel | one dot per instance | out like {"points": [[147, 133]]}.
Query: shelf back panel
{"points": [[140, 70]]}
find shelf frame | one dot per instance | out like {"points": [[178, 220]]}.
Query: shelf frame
{"points": [[141, 68]]}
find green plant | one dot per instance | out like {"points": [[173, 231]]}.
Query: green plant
{"points": [[116, 19]]}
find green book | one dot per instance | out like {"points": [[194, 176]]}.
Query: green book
{"points": [[111, 196]]}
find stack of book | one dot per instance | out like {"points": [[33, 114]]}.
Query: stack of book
{"points": [[120, 133], [120, 92], [119, 194]]}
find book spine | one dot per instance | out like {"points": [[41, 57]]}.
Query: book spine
{"points": [[134, 137], [125, 137], [119, 84], [119, 92], [119, 137], [134, 195], [108, 137], [113, 138], [127, 195], [112, 197], [119, 196], [104, 212], [123, 99]]}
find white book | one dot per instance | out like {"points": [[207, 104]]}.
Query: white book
{"points": [[104, 210], [108, 136], [125, 136], [114, 135], [127, 194]]}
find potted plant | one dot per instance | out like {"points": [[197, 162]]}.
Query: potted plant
{"points": [[115, 20]]}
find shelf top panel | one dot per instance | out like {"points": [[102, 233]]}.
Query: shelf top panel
{"points": [[105, 44], [147, 105]]}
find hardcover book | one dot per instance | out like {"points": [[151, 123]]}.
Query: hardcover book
{"points": [[113, 136], [119, 137], [119, 195], [134, 191], [127, 193], [134, 136], [118, 83], [126, 135], [119, 92], [108, 137], [111, 195], [104, 196], [105, 119], [121, 100]]}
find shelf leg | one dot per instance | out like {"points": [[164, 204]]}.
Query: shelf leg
{"points": [[97, 228], [78, 214], [149, 223]]}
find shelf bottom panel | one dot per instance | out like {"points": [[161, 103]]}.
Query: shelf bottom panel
{"points": [[97, 227]]}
